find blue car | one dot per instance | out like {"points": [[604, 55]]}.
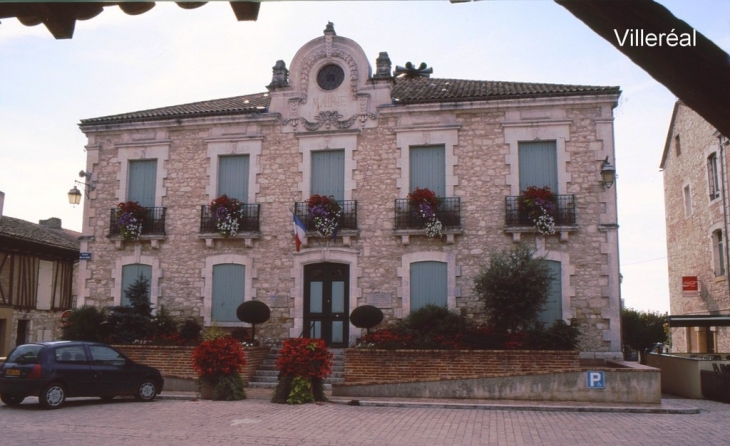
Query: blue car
{"points": [[54, 371]]}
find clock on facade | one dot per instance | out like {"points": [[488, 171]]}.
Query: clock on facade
{"points": [[330, 77]]}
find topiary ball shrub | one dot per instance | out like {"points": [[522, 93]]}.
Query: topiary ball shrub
{"points": [[253, 312], [366, 316]]}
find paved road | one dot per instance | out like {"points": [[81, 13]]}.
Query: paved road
{"points": [[259, 422]]}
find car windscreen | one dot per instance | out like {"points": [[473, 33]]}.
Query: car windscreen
{"points": [[25, 354]]}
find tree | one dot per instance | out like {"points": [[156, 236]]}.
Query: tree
{"points": [[641, 330], [514, 288], [133, 322]]}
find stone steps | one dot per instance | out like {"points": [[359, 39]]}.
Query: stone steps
{"points": [[266, 376]]}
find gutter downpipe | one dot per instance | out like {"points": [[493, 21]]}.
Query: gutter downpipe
{"points": [[724, 207]]}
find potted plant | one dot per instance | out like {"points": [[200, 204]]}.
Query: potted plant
{"points": [[325, 213], [426, 204], [540, 205], [129, 218], [218, 363], [226, 212], [303, 365]]}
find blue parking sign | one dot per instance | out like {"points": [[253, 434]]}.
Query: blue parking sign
{"points": [[595, 380]]}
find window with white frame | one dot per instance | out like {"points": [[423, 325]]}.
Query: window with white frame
{"points": [[713, 180], [718, 252], [687, 194]]}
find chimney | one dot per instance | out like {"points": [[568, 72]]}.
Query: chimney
{"points": [[2, 202], [53, 223]]}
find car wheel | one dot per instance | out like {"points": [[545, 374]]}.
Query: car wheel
{"points": [[11, 400], [52, 396], [147, 391]]}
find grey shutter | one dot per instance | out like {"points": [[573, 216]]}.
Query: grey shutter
{"points": [[554, 306], [328, 173], [142, 182], [428, 169], [428, 284], [130, 273], [229, 281], [538, 164], [233, 176]]}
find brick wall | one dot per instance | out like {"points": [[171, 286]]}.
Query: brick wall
{"points": [[176, 362], [366, 366]]}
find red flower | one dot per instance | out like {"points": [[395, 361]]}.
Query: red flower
{"points": [[424, 195], [217, 357], [305, 358]]}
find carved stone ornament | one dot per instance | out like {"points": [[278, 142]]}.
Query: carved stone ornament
{"points": [[280, 75], [410, 70], [328, 120], [383, 66]]}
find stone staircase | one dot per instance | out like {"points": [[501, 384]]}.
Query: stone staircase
{"points": [[267, 374]]}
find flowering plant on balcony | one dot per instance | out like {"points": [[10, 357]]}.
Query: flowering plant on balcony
{"points": [[540, 203], [426, 202], [227, 213], [129, 217], [325, 213]]}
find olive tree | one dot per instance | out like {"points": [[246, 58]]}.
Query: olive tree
{"points": [[514, 288]]}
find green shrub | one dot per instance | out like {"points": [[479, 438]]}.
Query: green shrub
{"points": [[514, 288], [559, 336], [229, 388], [87, 323], [190, 330], [163, 324], [134, 322]]}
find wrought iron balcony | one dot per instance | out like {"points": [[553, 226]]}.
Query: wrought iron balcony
{"points": [[408, 217], [247, 222], [153, 222], [517, 214], [348, 218]]}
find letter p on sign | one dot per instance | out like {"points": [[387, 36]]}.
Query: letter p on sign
{"points": [[595, 380]]}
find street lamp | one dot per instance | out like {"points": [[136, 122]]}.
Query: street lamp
{"points": [[608, 174], [74, 195]]}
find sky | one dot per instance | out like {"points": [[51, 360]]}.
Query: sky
{"points": [[118, 63]]}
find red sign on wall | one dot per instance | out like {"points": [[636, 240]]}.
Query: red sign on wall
{"points": [[690, 284]]}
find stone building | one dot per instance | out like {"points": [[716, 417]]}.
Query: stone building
{"points": [[696, 201], [37, 269], [330, 126]]}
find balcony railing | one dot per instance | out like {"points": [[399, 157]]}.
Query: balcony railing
{"points": [[408, 217], [247, 222], [153, 222], [348, 219], [517, 214]]}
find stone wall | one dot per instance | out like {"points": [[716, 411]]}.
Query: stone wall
{"points": [[176, 362], [370, 366], [689, 236]]}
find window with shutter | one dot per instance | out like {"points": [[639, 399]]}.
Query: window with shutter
{"points": [[233, 171], [428, 284], [142, 182], [229, 280], [428, 168], [328, 173], [538, 164], [553, 309], [130, 274]]}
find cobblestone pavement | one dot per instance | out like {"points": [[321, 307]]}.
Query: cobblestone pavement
{"points": [[256, 421]]}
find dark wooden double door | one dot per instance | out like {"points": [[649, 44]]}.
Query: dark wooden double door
{"points": [[326, 302]]}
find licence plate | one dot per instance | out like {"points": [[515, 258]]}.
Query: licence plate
{"points": [[12, 372]]}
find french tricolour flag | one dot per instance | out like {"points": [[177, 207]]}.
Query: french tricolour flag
{"points": [[299, 231]]}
